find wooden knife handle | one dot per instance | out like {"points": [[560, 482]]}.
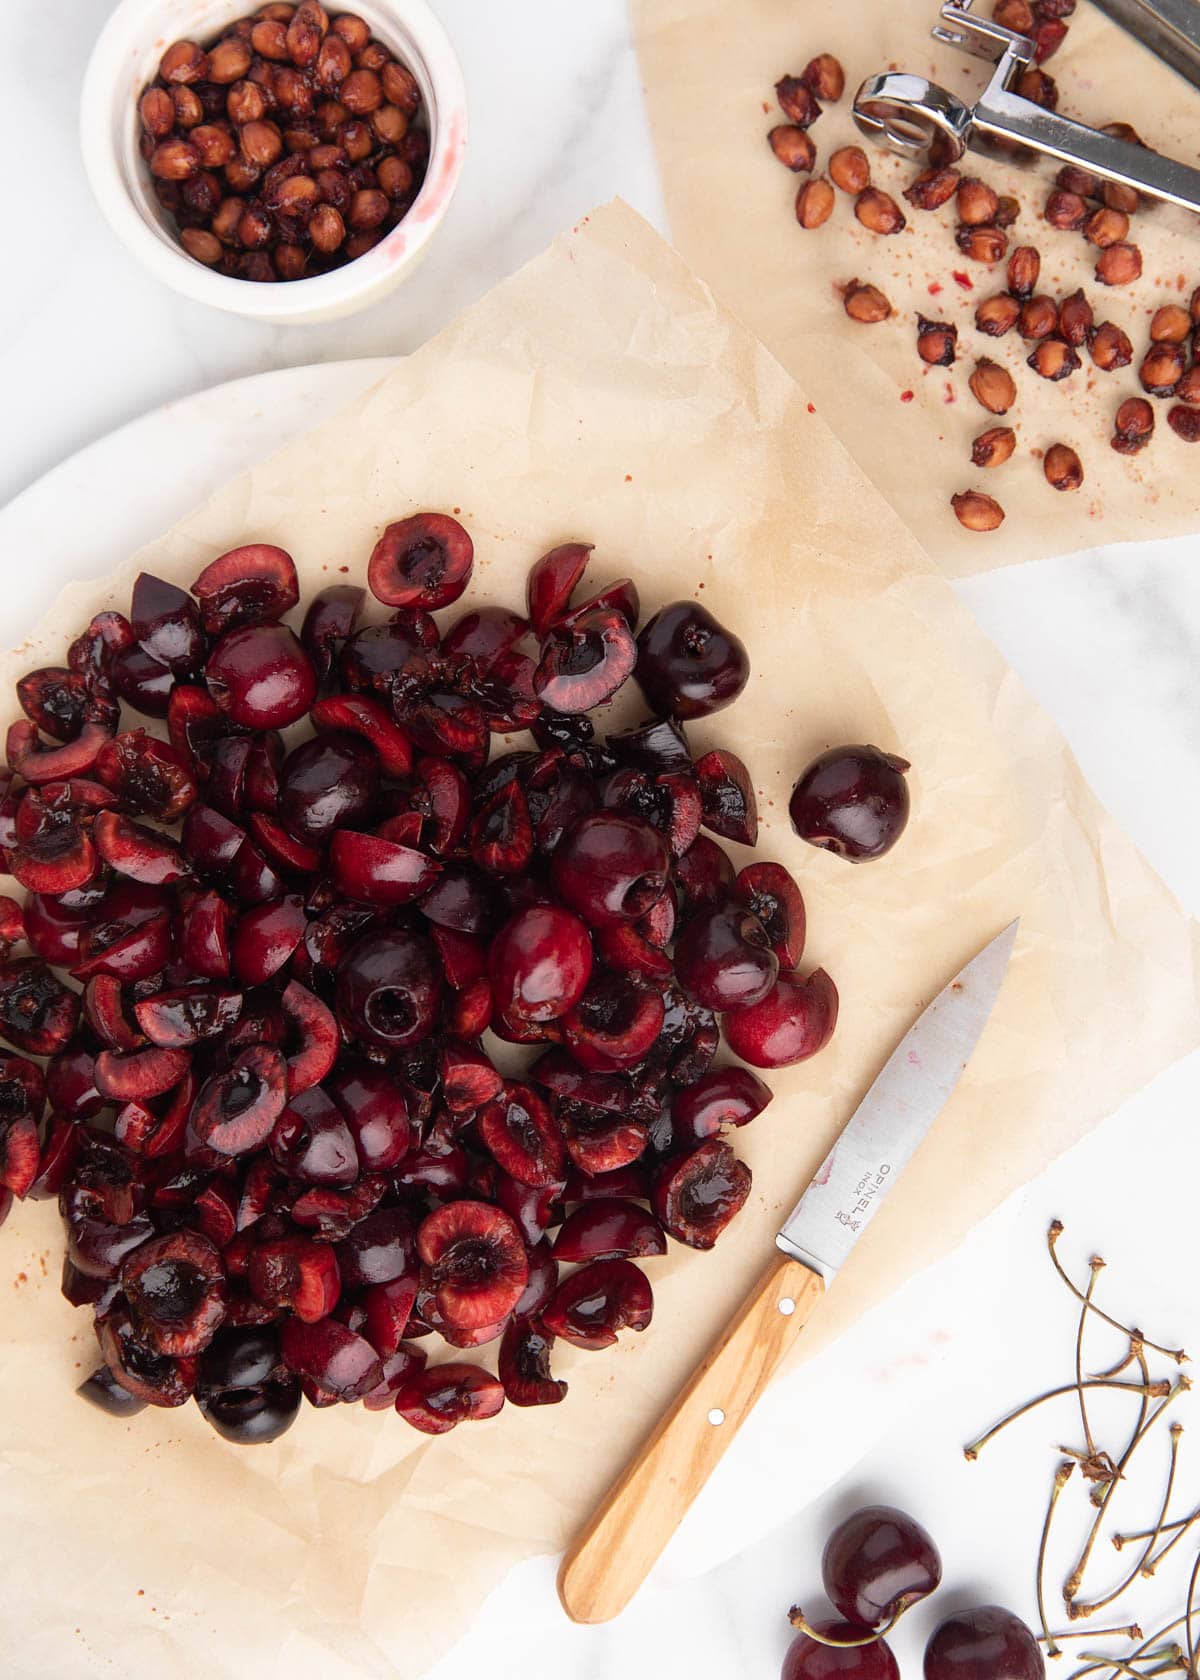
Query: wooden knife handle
{"points": [[616, 1550]]}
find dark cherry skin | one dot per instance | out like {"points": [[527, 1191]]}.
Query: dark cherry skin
{"points": [[688, 665], [610, 868], [540, 963], [807, 1659], [791, 1023], [852, 801], [877, 1564], [328, 783], [724, 959], [251, 1417], [261, 676], [389, 989], [985, 1644]]}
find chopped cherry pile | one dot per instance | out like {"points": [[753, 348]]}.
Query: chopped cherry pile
{"points": [[281, 1148], [876, 1566]]}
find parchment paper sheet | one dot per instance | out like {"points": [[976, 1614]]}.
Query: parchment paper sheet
{"points": [[710, 70], [601, 394]]}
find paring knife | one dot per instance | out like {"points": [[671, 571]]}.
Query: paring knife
{"points": [[617, 1549]]}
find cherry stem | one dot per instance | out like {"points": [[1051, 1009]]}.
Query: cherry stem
{"points": [[1061, 1477], [798, 1620], [1185, 1528], [1132, 1631], [1096, 1265], [1124, 1586], [1075, 1579], [1156, 1390], [1056, 1231], [1187, 1620]]}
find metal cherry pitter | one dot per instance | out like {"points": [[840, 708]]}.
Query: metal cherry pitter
{"points": [[922, 121]]}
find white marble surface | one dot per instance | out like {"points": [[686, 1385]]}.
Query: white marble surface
{"points": [[1110, 644]]}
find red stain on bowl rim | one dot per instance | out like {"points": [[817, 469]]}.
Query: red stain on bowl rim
{"points": [[432, 199]]}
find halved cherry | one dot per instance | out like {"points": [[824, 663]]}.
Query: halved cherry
{"points": [[501, 836], [469, 1012], [12, 924], [387, 1308], [316, 1028], [377, 1113], [127, 948], [141, 853], [534, 1207], [626, 1183], [210, 840], [442, 795], [795, 1020], [519, 1129], [727, 796], [58, 860], [175, 1289], [104, 1010], [166, 622], [328, 1353], [696, 1194], [333, 1214], [39, 764], [251, 876], [248, 585], [599, 1141], [195, 723], [770, 892], [215, 1213], [181, 1018], [464, 957], [70, 1084], [552, 581], [615, 1023], [441, 1396], [483, 634], [621, 597], [60, 1151], [593, 1304], [626, 950], [53, 931], [204, 935], [93, 654], [55, 700], [360, 714], [37, 1012], [505, 690], [137, 1075], [281, 849], [584, 665], [398, 1366], [608, 1229], [727, 1096], [312, 1142], [524, 1365], [236, 1110], [143, 682], [297, 1273], [423, 561], [225, 787], [20, 1153], [705, 874], [155, 1378], [149, 776], [331, 617], [377, 871], [477, 1261], [265, 938], [469, 1080]]}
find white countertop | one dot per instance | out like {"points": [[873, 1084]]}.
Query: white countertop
{"points": [[1110, 645]]}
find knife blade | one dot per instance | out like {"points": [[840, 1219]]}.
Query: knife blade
{"points": [[882, 1135], [616, 1550]]}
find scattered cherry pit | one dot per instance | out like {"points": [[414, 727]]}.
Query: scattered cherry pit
{"points": [[284, 1155], [877, 1565]]}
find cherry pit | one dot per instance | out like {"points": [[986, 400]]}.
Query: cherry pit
{"points": [[260, 987]]}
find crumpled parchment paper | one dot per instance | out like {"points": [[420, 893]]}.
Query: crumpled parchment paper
{"points": [[601, 394], [710, 69]]}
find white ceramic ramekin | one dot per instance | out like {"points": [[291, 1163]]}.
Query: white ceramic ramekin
{"points": [[126, 57]]}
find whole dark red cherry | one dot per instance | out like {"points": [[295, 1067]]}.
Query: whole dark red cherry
{"points": [[986, 1644], [852, 801], [723, 958], [540, 963], [389, 989], [689, 665], [610, 868], [877, 1564], [261, 677], [808, 1659]]}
